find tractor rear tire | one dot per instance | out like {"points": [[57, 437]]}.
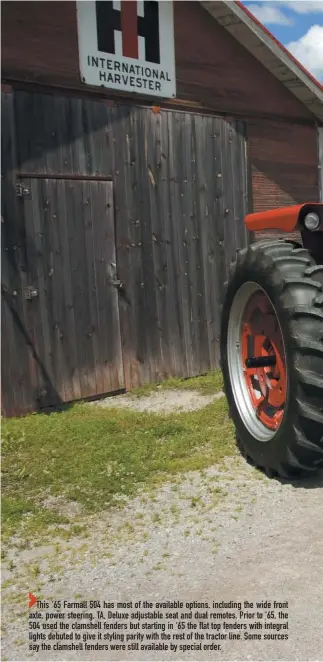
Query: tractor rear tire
{"points": [[289, 279]]}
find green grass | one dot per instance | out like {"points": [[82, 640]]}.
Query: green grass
{"points": [[205, 384], [94, 455]]}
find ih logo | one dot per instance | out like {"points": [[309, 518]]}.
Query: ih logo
{"points": [[131, 27]]}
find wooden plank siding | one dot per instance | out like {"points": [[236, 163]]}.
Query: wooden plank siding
{"points": [[179, 186], [18, 374]]}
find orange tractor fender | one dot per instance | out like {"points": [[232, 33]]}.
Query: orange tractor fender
{"points": [[285, 219]]}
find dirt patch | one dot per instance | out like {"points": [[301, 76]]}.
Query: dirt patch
{"points": [[161, 401], [63, 506]]}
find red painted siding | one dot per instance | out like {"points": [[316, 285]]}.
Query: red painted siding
{"points": [[213, 68], [39, 41], [284, 162], [39, 44]]}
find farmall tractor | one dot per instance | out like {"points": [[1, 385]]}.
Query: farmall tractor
{"points": [[272, 343]]}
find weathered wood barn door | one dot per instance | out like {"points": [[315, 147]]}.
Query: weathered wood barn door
{"points": [[180, 191], [72, 289], [182, 194]]}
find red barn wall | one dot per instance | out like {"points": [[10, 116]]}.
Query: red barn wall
{"points": [[214, 72]]}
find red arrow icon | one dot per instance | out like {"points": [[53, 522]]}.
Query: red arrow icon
{"points": [[32, 600]]}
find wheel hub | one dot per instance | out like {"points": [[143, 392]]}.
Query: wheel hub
{"points": [[256, 361], [264, 360]]}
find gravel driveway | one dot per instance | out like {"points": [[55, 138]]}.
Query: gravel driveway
{"points": [[226, 533]]}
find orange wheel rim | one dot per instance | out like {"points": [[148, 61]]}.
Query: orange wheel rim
{"points": [[263, 359]]}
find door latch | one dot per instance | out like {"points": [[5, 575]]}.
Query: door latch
{"points": [[119, 284], [31, 292]]}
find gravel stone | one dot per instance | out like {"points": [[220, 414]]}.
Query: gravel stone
{"points": [[224, 533]]}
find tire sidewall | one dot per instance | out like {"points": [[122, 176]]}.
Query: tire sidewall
{"points": [[271, 453]]}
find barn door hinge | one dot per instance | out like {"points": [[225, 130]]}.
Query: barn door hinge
{"points": [[22, 191]]}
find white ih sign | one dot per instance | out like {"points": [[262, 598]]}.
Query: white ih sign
{"points": [[128, 45]]}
